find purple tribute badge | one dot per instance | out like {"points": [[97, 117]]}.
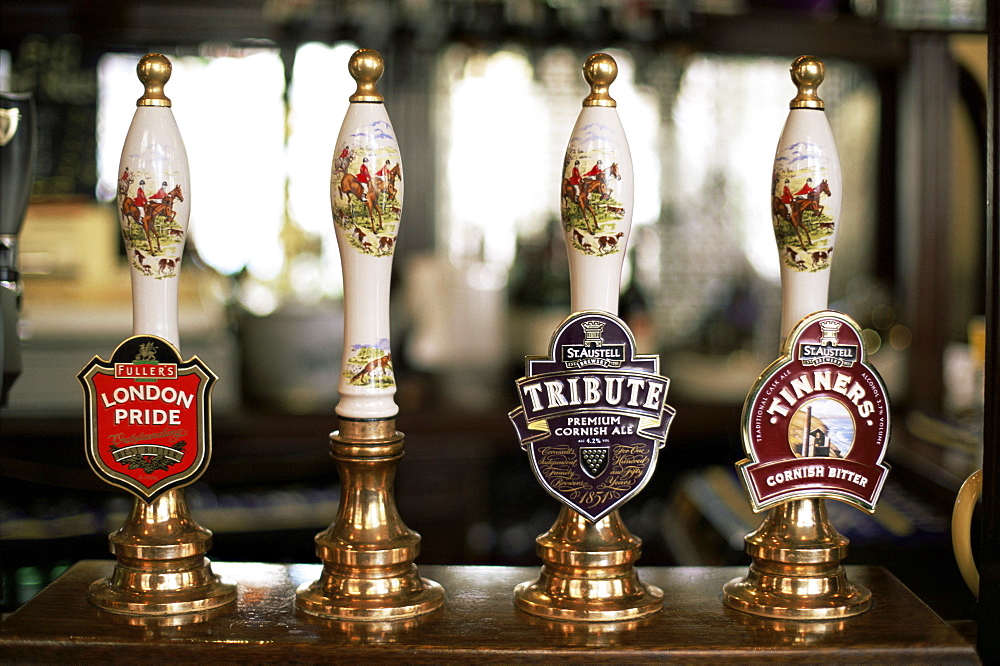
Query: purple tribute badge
{"points": [[816, 424], [593, 415]]}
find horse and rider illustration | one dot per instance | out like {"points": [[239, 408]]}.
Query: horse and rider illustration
{"points": [[343, 160], [791, 208], [375, 192], [153, 214], [580, 189], [390, 174]]}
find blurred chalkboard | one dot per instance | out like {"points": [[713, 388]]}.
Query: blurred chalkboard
{"points": [[66, 103]]}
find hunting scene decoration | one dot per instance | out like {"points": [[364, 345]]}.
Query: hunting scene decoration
{"points": [[367, 191], [370, 366], [590, 211], [148, 222], [803, 225]]}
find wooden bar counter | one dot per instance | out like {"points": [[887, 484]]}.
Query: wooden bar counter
{"points": [[478, 623]]}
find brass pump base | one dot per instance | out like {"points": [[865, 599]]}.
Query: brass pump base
{"points": [[588, 573], [796, 572], [162, 568], [368, 553]]}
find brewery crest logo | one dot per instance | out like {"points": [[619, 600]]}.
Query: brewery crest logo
{"points": [[593, 415], [816, 423], [147, 416]]}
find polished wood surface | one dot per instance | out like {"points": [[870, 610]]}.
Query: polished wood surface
{"points": [[478, 622]]}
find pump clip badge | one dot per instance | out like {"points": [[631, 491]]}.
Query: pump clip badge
{"points": [[816, 423], [593, 415], [148, 417]]}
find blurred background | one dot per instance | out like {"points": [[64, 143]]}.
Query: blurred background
{"points": [[483, 95]]}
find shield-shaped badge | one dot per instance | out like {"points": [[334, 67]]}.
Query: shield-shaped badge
{"points": [[594, 460], [816, 423], [148, 417], [593, 414]]}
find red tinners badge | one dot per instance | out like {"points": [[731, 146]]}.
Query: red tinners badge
{"points": [[816, 423]]}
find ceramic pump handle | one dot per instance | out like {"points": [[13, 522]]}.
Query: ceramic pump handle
{"points": [[154, 204], [596, 195], [805, 198], [366, 193]]}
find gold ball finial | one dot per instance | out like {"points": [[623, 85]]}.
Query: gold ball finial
{"points": [[600, 71], [154, 72], [807, 73], [366, 67]]}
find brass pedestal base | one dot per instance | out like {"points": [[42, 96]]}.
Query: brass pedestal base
{"points": [[796, 572], [398, 597], [368, 553], [588, 573], [162, 568]]}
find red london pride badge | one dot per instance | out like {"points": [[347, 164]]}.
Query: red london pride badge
{"points": [[148, 417], [816, 423]]}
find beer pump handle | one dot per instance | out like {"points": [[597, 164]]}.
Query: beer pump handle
{"points": [[161, 569], [366, 196], [153, 204], [18, 158], [596, 194], [588, 554], [818, 431], [368, 552], [806, 190]]}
